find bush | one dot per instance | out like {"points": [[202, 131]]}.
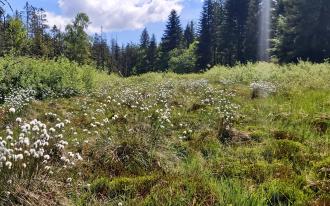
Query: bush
{"points": [[48, 78], [183, 61]]}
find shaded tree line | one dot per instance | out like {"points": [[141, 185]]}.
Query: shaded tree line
{"points": [[226, 34]]}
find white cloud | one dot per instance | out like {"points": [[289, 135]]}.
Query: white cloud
{"points": [[59, 21], [115, 15]]}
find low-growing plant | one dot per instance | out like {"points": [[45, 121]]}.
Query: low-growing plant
{"points": [[31, 149], [279, 193]]}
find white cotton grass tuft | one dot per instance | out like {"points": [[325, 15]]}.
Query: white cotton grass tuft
{"points": [[12, 110], [30, 144], [262, 89]]}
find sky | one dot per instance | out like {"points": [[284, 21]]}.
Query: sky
{"points": [[121, 19]]}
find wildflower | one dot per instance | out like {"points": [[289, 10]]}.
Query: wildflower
{"points": [[18, 157], [18, 120], [12, 110], [46, 157], [27, 153], [9, 164], [71, 154], [35, 128], [79, 156], [9, 138]]}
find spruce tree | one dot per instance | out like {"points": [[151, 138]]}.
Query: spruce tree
{"points": [[152, 54], [144, 39], [234, 31], [216, 36], [171, 39], [204, 48], [304, 31], [143, 64], [39, 37], [189, 34], [57, 44], [100, 52], [252, 31]]}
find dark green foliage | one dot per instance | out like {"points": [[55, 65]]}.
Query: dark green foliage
{"points": [[250, 47], [171, 39], [57, 44], [233, 31], [204, 49], [303, 31], [152, 54], [101, 52], [143, 64], [189, 34]]}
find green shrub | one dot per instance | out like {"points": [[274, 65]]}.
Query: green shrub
{"points": [[292, 151], [46, 77], [183, 61]]}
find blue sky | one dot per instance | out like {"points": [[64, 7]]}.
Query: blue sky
{"points": [[121, 19]]}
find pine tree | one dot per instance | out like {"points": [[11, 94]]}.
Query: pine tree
{"points": [[171, 39]]}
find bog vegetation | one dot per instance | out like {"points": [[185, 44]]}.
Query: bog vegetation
{"points": [[255, 134]]}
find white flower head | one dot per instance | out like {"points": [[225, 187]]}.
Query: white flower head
{"points": [[12, 110]]}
